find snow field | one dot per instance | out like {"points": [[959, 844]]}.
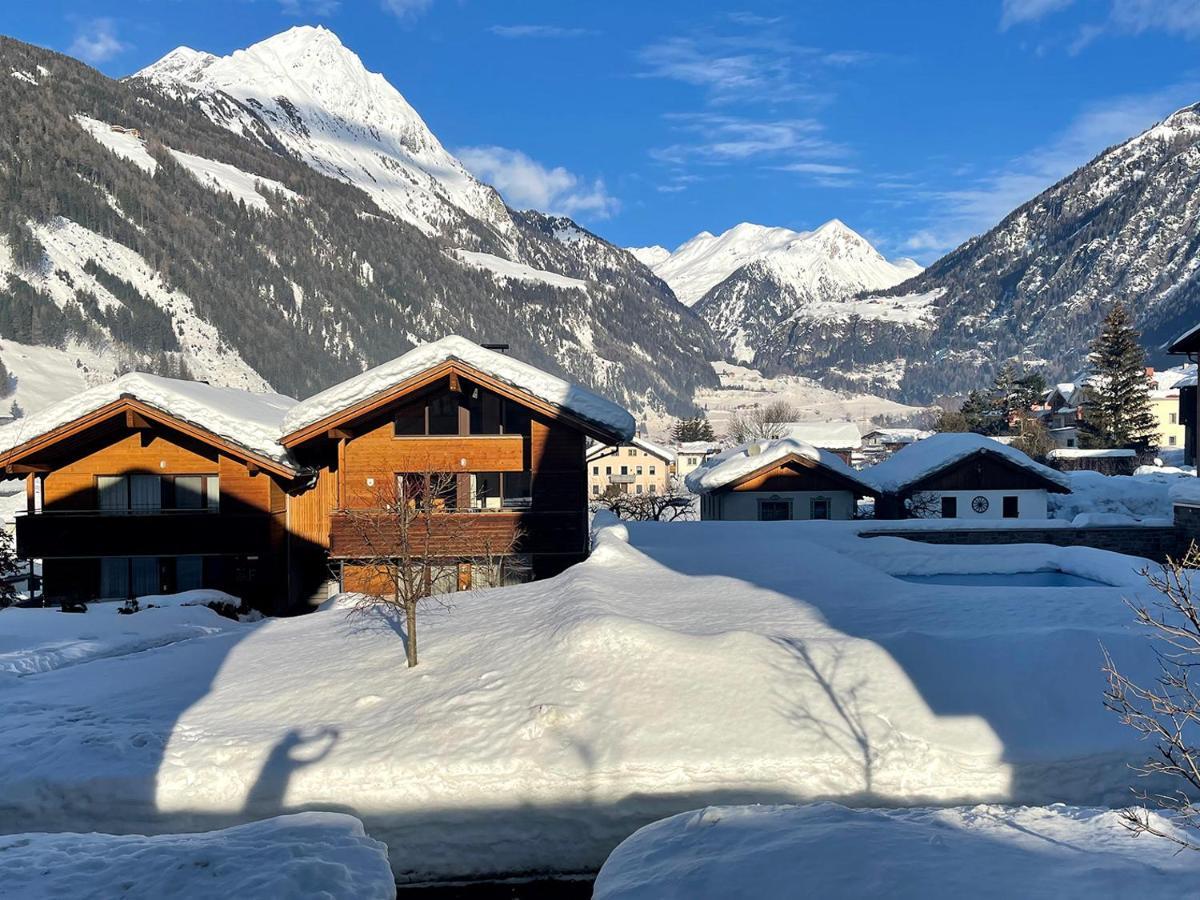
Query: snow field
{"points": [[687, 665]]}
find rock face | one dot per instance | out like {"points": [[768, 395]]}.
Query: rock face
{"points": [[282, 216]]}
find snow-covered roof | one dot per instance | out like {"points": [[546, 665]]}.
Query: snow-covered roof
{"points": [[918, 461], [1170, 346], [245, 419], [827, 435], [738, 462], [641, 443], [697, 447], [898, 435], [579, 401]]}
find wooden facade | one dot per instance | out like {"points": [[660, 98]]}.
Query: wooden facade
{"points": [[128, 500]]}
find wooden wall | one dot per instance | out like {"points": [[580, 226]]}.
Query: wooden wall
{"points": [[794, 477]]}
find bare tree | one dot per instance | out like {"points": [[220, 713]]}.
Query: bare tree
{"points": [[924, 505], [761, 423], [672, 505], [1167, 712], [416, 545]]}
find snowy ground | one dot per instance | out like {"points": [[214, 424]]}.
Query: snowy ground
{"points": [[829, 851], [313, 854], [742, 387], [696, 664]]}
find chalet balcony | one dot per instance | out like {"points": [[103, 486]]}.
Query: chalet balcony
{"points": [[64, 533], [620, 479], [462, 533]]}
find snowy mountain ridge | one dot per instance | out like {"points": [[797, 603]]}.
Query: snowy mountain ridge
{"points": [[318, 99]]}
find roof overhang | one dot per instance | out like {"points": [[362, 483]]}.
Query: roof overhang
{"points": [[1050, 484], [137, 414], [430, 376], [806, 462], [1188, 342]]}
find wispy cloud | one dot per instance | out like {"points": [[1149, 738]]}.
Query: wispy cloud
{"points": [[815, 168], [96, 41], [527, 184], [307, 9], [957, 214], [406, 9], [1172, 16], [538, 31], [1014, 12], [721, 139]]}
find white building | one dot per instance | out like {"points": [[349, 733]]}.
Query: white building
{"points": [[636, 467], [963, 476], [777, 480], [691, 454]]}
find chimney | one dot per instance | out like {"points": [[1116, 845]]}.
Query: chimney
{"points": [[499, 348]]}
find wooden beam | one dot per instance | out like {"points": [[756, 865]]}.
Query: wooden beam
{"points": [[339, 434], [134, 419], [455, 387], [26, 469]]}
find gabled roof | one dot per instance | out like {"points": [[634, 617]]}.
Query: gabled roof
{"points": [[597, 416], [243, 422], [916, 462], [641, 443], [740, 463]]}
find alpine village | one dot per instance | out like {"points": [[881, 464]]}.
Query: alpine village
{"points": [[383, 517]]}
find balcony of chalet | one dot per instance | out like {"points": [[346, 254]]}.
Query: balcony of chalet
{"points": [[54, 533]]}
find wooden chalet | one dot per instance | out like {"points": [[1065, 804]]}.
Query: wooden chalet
{"points": [[781, 480], [963, 476], [127, 496]]}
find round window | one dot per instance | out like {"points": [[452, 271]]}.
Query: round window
{"points": [[980, 504]]}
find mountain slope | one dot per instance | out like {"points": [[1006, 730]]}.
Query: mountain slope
{"points": [[136, 228], [1125, 227]]}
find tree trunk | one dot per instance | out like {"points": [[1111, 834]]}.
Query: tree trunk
{"points": [[410, 625]]}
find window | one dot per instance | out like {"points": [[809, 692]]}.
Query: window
{"points": [[146, 494], [639, 470], [443, 414], [189, 573], [415, 489], [113, 491], [516, 419], [949, 507], [1171, 441], [653, 490], [595, 488], [1011, 508], [189, 491], [595, 470], [631, 452], [1173, 418], [608, 470], [114, 578], [639, 489], [819, 508], [516, 489], [410, 420], [1070, 442], [624, 470], [774, 510], [485, 490], [486, 412], [652, 470]]}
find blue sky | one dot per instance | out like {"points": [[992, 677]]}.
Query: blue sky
{"points": [[917, 123]]}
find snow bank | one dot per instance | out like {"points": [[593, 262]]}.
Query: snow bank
{"points": [[737, 462], [1185, 492], [1076, 453], [249, 420], [1135, 498], [196, 597], [506, 268], [829, 851], [693, 664], [571, 397], [919, 460], [310, 854], [42, 640]]}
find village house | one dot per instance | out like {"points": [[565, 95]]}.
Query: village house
{"points": [[691, 454], [635, 467], [1164, 404], [769, 481], [1063, 411], [880, 443], [150, 485], [963, 476], [843, 439], [1188, 345]]}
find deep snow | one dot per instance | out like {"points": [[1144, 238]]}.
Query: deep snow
{"points": [[825, 850], [311, 854], [697, 663]]}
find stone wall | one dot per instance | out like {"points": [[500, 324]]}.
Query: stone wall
{"points": [[1152, 542]]}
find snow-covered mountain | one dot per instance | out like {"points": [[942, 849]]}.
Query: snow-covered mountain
{"points": [[319, 101], [195, 220], [1124, 227], [831, 257]]}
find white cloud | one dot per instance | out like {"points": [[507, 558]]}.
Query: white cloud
{"points": [[814, 168], [959, 213], [1016, 11], [1173, 16], [538, 31], [96, 41], [527, 184], [406, 9], [305, 9], [730, 139]]}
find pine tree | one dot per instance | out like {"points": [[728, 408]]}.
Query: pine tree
{"points": [[1117, 412], [8, 567], [695, 428]]}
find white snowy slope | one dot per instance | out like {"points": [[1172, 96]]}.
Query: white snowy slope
{"points": [[686, 666], [308, 854], [504, 268], [325, 107], [650, 256], [828, 851], [831, 255]]}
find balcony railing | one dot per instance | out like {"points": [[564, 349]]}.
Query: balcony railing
{"points": [[362, 533]]}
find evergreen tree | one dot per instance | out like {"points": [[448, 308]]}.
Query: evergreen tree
{"points": [[15, 410], [1118, 412], [694, 428], [8, 567]]}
